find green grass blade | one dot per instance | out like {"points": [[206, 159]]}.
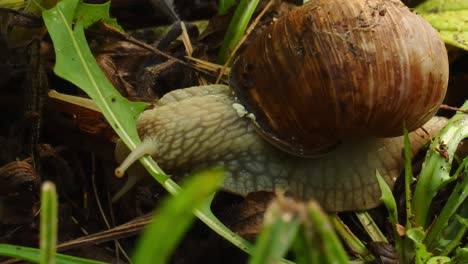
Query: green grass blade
{"points": [[371, 227], [205, 215], [280, 227], [76, 64], [461, 234], [456, 199], [175, 216], [304, 252], [351, 240], [436, 168], [33, 255], [390, 204], [325, 239], [48, 224], [388, 200], [237, 27]]}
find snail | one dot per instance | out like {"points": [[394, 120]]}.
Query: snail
{"points": [[316, 105]]}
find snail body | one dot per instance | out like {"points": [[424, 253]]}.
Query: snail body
{"points": [[197, 127], [307, 98]]}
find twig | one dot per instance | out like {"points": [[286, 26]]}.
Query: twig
{"points": [[451, 108], [125, 37]]}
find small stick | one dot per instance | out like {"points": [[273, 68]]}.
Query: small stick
{"points": [[124, 36], [451, 108]]}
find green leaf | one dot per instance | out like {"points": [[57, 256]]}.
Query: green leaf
{"points": [[280, 227], [458, 196], [461, 256], [462, 228], [92, 13], [33, 255], [49, 219], [388, 200], [175, 216], [323, 236], [390, 204], [75, 63], [436, 168], [439, 260], [449, 18], [421, 254]]}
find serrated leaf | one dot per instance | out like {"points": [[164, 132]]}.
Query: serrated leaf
{"points": [[449, 17], [92, 13], [76, 63], [421, 254]]}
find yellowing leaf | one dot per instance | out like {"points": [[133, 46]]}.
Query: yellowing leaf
{"points": [[450, 18]]}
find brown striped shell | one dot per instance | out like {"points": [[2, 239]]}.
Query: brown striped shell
{"points": [[335, 69]]}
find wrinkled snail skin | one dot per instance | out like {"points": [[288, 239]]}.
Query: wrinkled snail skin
{"points": [[197, 127], [366, 66]]}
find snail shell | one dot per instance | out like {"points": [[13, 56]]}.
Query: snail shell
{"points": [[340, 69]]}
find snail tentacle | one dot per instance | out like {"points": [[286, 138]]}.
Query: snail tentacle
{"points": [[147, 147]]}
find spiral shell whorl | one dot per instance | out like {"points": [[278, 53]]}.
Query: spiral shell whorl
{"points": [[338, 69]]}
